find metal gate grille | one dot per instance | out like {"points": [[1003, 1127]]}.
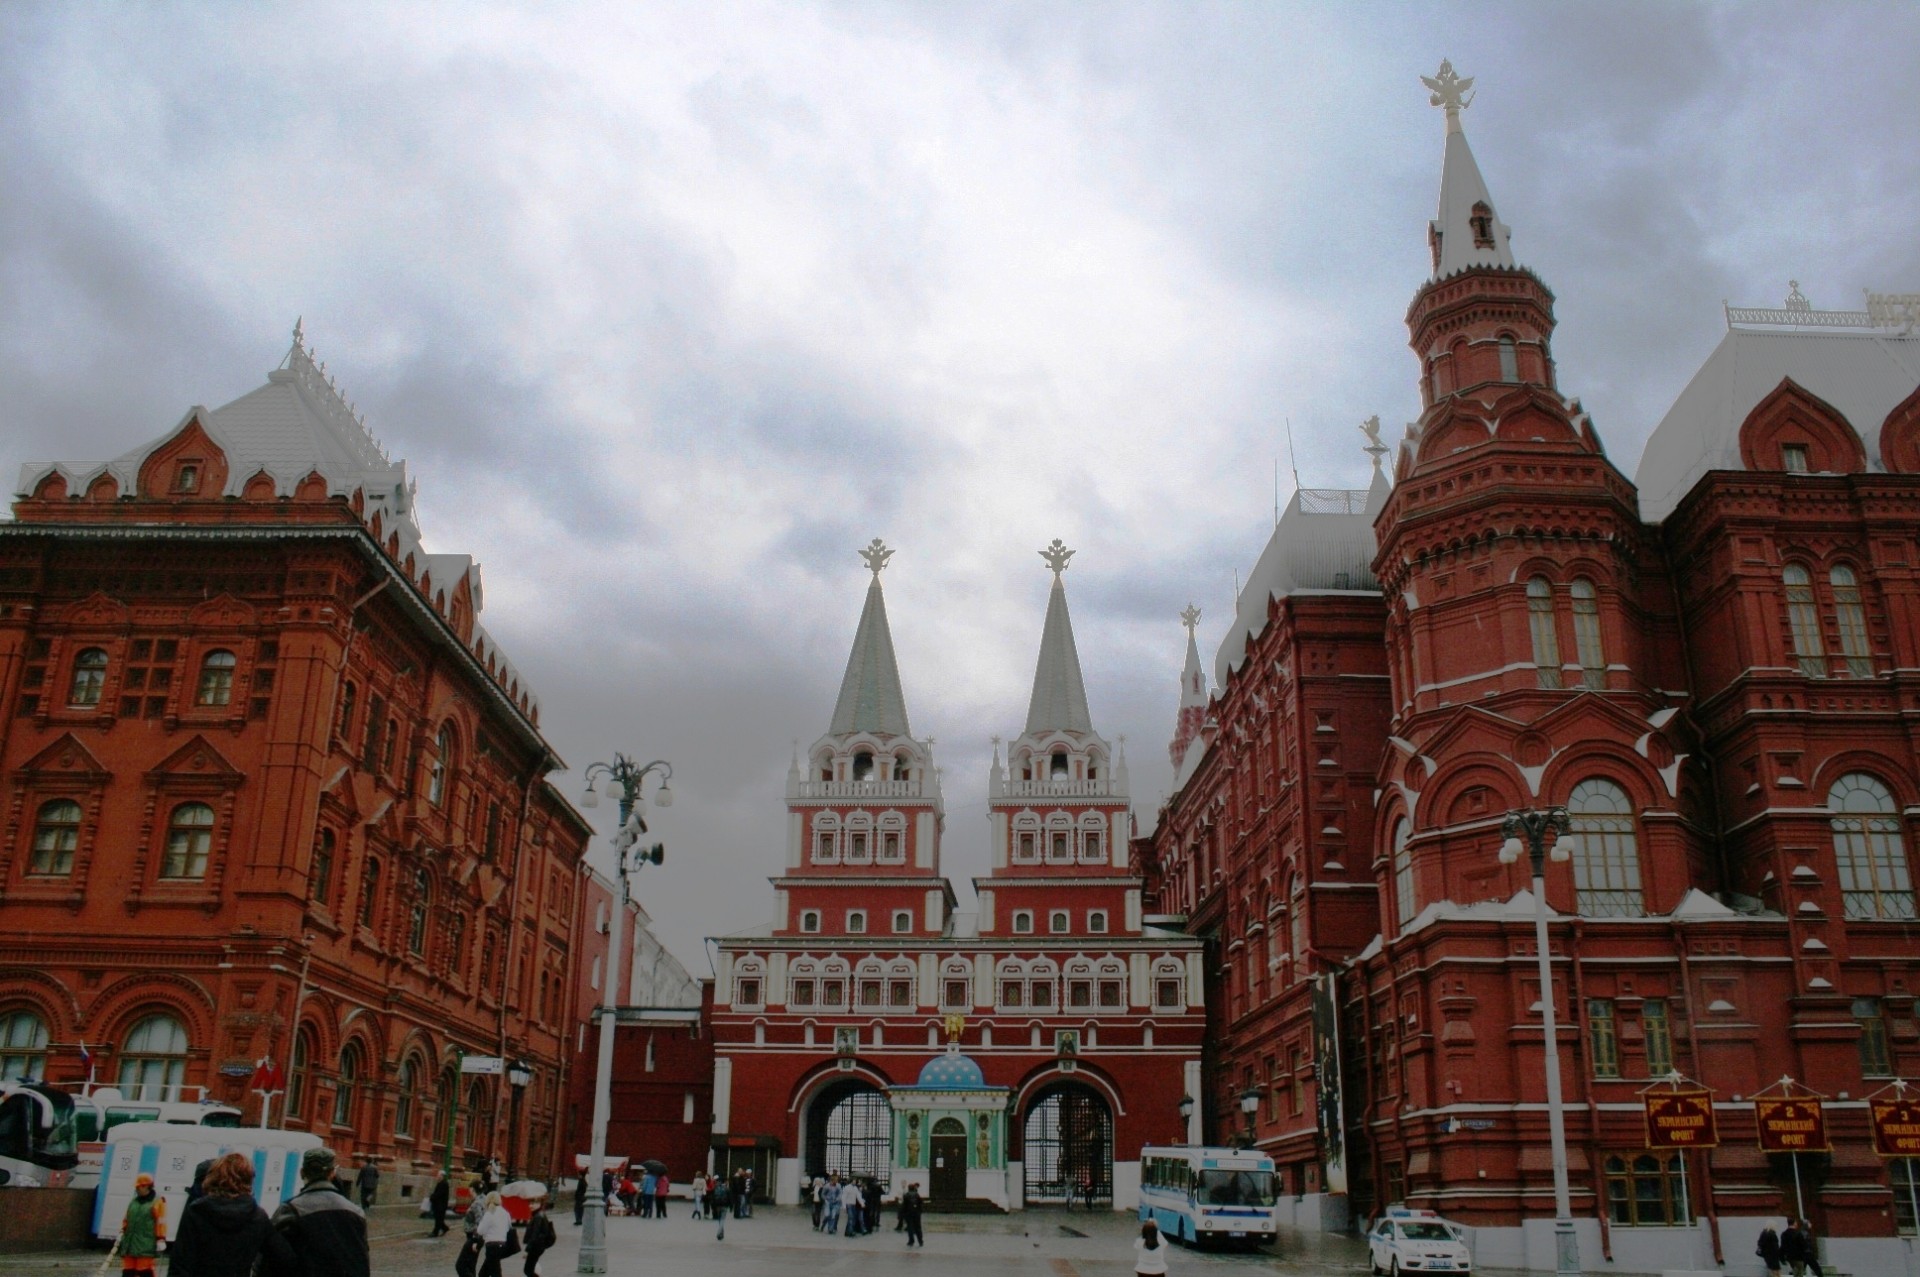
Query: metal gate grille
{"points": [[850, 1132], [1069, 1147]]}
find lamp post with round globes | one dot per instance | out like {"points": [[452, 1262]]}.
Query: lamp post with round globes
{"points": [[1186, 1120], [1526, 832], [623, 778], [1249, 1106]]}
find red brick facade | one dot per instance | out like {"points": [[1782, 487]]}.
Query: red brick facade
{"points": [[269, 791]]}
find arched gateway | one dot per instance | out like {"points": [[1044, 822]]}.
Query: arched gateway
{"points": [[849, 1130], [1068, 1145]]}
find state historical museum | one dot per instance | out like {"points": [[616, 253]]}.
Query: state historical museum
{"points": [[1714, 669]]}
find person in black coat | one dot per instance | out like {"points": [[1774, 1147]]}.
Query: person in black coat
{"points": [[223, 1231], [539, 1239], [317, 1230], [910, 1208], [438, 1201], [1769, 1251], [580, 1200]]}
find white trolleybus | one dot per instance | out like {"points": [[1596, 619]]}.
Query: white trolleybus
{"points": [[1208, 1196], [38, 1147]]}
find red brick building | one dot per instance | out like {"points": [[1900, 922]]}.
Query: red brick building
{"points": [[1079, 1015], [1715, 671], [270, 790]]}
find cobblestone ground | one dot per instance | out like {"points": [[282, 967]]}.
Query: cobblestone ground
{"points": [[780, 1242]]}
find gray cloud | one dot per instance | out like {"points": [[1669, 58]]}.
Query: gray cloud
{"points": [[672, 308]]}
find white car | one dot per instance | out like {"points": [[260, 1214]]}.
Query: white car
{"points": [[1416, 1242]]}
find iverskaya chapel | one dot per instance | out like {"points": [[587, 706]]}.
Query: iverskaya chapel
{"points": [[251, 728]]}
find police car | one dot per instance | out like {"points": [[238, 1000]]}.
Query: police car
{"points": [[1416, 1241]]}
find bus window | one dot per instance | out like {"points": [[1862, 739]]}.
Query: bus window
{"points": [[1236, 1188], [120, 1117], [224, 1118]]}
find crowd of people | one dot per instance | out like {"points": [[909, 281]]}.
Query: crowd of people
{"points": [[854, 1202], [224, 1232]]}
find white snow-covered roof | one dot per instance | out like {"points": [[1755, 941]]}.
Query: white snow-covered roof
{"points": [[1324, 541], [1864, 372]]}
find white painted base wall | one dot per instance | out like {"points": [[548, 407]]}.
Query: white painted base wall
{"points": [[786, 1180], [1313, 1212], [1126, 1186]]}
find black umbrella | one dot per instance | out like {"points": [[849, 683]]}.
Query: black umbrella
{"points": [[654, 1165]]}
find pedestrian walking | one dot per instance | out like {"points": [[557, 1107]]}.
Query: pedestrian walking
{"points": [[830, 1212], [911, 1205], [223, 1232], [646, 1194], [720, 1194], [540, 1240], [1813, 1249], [661, 1187], [497, 1239], [1149, 1252], [437, 1201], [318, 1230], [368, 1182], [1796, 1248], [143, 1229], [850, 1200], [1769, 1251], [580, 1199], [817, 1193]]}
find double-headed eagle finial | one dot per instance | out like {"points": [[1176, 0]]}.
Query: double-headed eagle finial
{"points": [[1056, 556], [876, 556], [1449, 91], [1191, 619]]}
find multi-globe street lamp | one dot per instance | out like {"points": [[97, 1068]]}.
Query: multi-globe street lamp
{"points": [[1186, 1120], [1249, 1107], [624, 779], [1526, 832]]}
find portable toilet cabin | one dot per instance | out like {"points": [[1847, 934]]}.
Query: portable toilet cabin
{"points": [[170, 1154]]}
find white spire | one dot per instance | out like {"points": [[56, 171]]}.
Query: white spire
{"points": [[1467, 231], [1193, 680], [870, 695], [1059, 701]]}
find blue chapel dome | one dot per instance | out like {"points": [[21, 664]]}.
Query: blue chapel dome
{"points": [[952, 1072]]}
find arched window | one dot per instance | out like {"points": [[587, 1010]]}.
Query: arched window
{"points": [[863, 766], [1586, 634], [1403, 872], [407, 1083], [1872, 859], [351, 1067], [23, 1046], [89, 677], [1480, 218], [1546, 639], [826, 839], [1852, 618], [1057, 765], [1803, 617], [56, 832], [320, 881], [300, 1076], [1509, 360], [456, 943], [389, 746], [417, 919], [902, 766], [216, 679], [442, 760], [189, 839], [369, 893], [1026, 839], [1606, 853], [1297, 922], [153, 1060]]}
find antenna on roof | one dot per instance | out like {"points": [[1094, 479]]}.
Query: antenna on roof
{"points": [[1276, 492], [1293, 462], [1236, 587]]}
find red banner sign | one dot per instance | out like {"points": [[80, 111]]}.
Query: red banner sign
{"points": [[1680, 1119], [1790, 1126], [1896, 1127]]}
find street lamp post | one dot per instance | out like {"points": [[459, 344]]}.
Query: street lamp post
{"points": [[519, 1073], [623, 778], [1186, 1120], [1249, 1106], [1526, 831]]}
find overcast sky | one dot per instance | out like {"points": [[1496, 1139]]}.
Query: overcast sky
{"points": [[672, 308]]}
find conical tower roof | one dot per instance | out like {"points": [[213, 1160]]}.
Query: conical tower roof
{"points": [[870, 695], [1466, 231], [1059, 701]]}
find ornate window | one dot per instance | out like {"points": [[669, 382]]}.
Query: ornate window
{"points": [[153, 1061], [1060, 839], [417, 915], [859, 848], [89, 677], [1852, 619], [351, 1067], [189, 839], [407, 1083], [809, 920], [893, 848], [826, 839], [1586, 634], [1875, 1059], [1403, 872], [23, 1046], [1169, 986], [1059, 922], [856, 922], [1509, 360], [1603, 1044], [456, 944], [1803, 617], [1541, 624], [1606, 853], [216, 679], [1097, 921], [438, 768], [748, 981], [1026, 839], [1645, 1192], [956, 987], [349, 696], [1023, 922], [902, 921], [1872, 859], [320, 881], [369, 893], [300, 1076], [56, 832], [1658, 1030], [1793, 458]]}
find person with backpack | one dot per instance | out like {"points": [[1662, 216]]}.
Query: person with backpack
{"points": [[719, 1197], [539, 1240]]}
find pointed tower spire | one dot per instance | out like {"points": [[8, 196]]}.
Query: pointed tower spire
{"points": [[1193, 691], [1466, 232], [1059, 702], [870, 695]]}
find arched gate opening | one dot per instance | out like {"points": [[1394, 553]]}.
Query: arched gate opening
{"points": [[1068, 1146]]}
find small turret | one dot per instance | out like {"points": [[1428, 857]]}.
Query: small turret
{"points": [[1193, 692]]}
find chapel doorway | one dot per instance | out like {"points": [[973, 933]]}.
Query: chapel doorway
{"points": [[947, 1182]]}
